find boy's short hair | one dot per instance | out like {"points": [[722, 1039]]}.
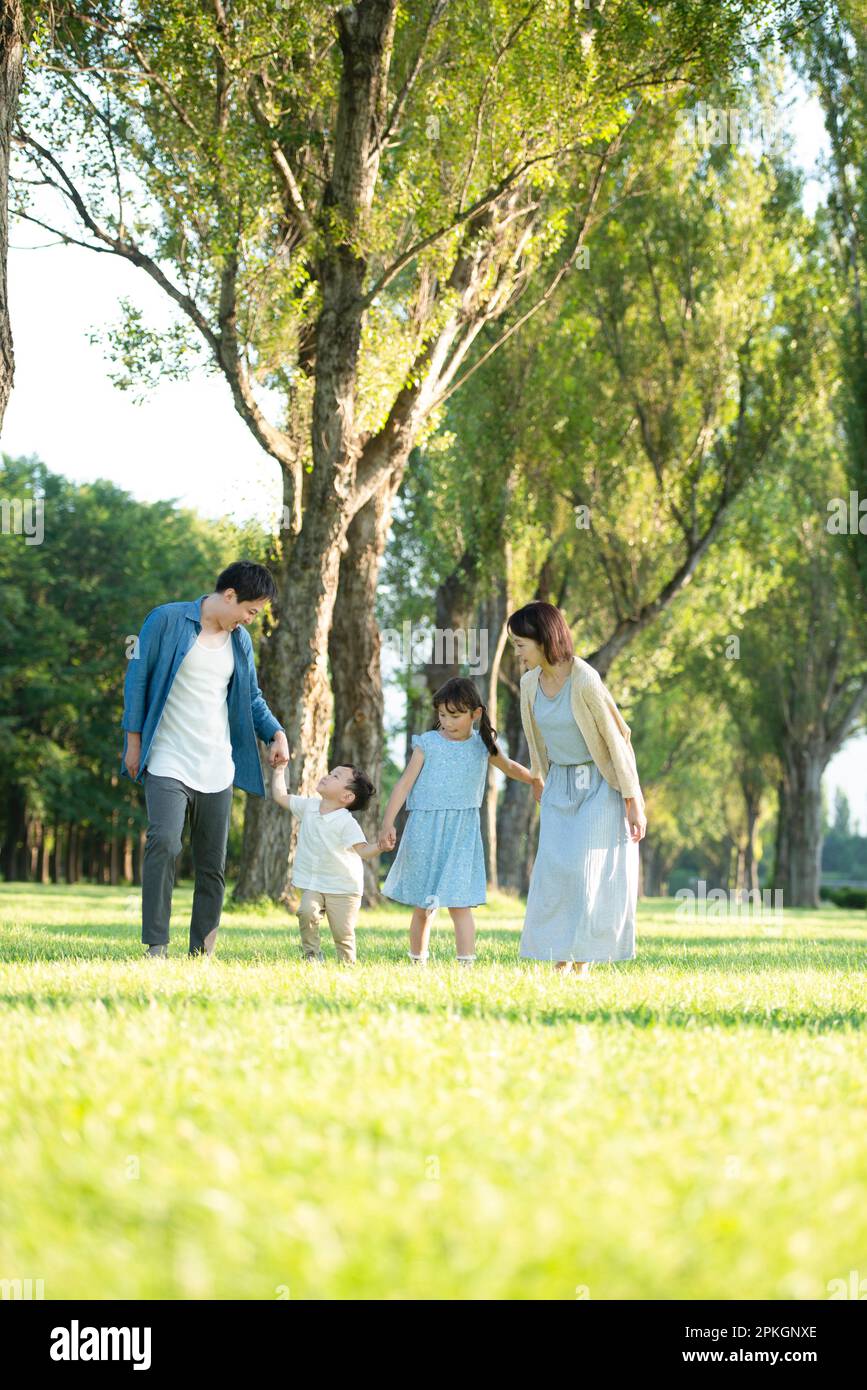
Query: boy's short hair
{"points": [[361, 787]]}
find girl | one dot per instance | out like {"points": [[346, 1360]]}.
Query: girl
{"points": [[440, 861], [584, 884]]}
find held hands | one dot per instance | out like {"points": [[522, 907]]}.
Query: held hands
{"points": [[387, 837], [278, 750], [636, 818]]}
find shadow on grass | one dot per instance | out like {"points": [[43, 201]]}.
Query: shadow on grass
{"points": [[379, 945], [642, 1014], [639, 1015]]}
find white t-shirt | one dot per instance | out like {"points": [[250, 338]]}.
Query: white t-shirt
{"points": [[324, 858], [192, 740]]}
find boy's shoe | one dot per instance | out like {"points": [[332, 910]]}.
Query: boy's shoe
{"points": [[153, 952], [314, 960]]}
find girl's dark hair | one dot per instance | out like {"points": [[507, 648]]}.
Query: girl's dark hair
{"points": [[461, 694], [545, 624], [248, 580]]}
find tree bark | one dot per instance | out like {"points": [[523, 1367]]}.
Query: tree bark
{"points": [[517, 812], [114, 851], [752, 805], [781, 841], [355, 650], [293, 661], [653, 864], [803, 806], [16, 834], [455, 606], [44, 871], [417, 721], [492, 623], [11, 73], [34, 841]]}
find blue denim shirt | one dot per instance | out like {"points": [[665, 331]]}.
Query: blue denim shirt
{"points": [[166, 636]]}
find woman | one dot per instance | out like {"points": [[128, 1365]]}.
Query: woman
{"points": [[584, 884]]}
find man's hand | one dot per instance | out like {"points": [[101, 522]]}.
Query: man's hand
{"points": [[132, 759], [636, 818], [278, 750], [537, 784]]}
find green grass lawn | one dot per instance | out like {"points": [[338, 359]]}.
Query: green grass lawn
{"points": [[689, 1124]]}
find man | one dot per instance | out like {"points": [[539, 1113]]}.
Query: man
{"points": [[192, 711]]}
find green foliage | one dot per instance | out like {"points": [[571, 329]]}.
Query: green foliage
{"points": [[852, 899], [145, 357], [208, 138]]}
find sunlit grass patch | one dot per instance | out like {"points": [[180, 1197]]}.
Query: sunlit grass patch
{"points": [[686, 1124]]}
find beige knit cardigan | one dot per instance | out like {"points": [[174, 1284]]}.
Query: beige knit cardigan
{"points": [[606, 734]]}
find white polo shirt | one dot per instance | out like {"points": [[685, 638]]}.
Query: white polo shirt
{"points": [[324, 859]]}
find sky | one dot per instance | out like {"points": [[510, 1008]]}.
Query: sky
{"points": [[186, 441]]}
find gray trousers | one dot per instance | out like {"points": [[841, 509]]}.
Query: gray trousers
{"points": [[167, 803]]}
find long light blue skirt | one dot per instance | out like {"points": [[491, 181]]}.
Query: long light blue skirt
{"points": [[440, 861], [584, 884]]}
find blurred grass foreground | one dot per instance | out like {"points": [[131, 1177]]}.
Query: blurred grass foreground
{"points": [[689, 1124]]}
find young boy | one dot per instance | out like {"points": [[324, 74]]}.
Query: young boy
{"points": [[331, 846]]}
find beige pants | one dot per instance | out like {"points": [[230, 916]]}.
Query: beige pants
{"points": [[341, 909]]}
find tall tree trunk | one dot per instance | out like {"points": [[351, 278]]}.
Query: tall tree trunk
{"points": [[57, 854], [44, 869], [803, 803], [114, 852], [740, 868], [752, 806], [455, 608], [295, 658], [11, 72], [781, 842], [355, 651], [492, 626], [294, 663], [517, 812], [653, 863], [34, 840], [417, 720], [139, 858], [16, 834]]}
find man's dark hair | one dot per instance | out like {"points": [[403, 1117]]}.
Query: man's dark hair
{"points": [[248, 580], [363, 789]]}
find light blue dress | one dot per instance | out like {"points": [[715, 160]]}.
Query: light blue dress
{"points": [[584, 885], [440, 861]]}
